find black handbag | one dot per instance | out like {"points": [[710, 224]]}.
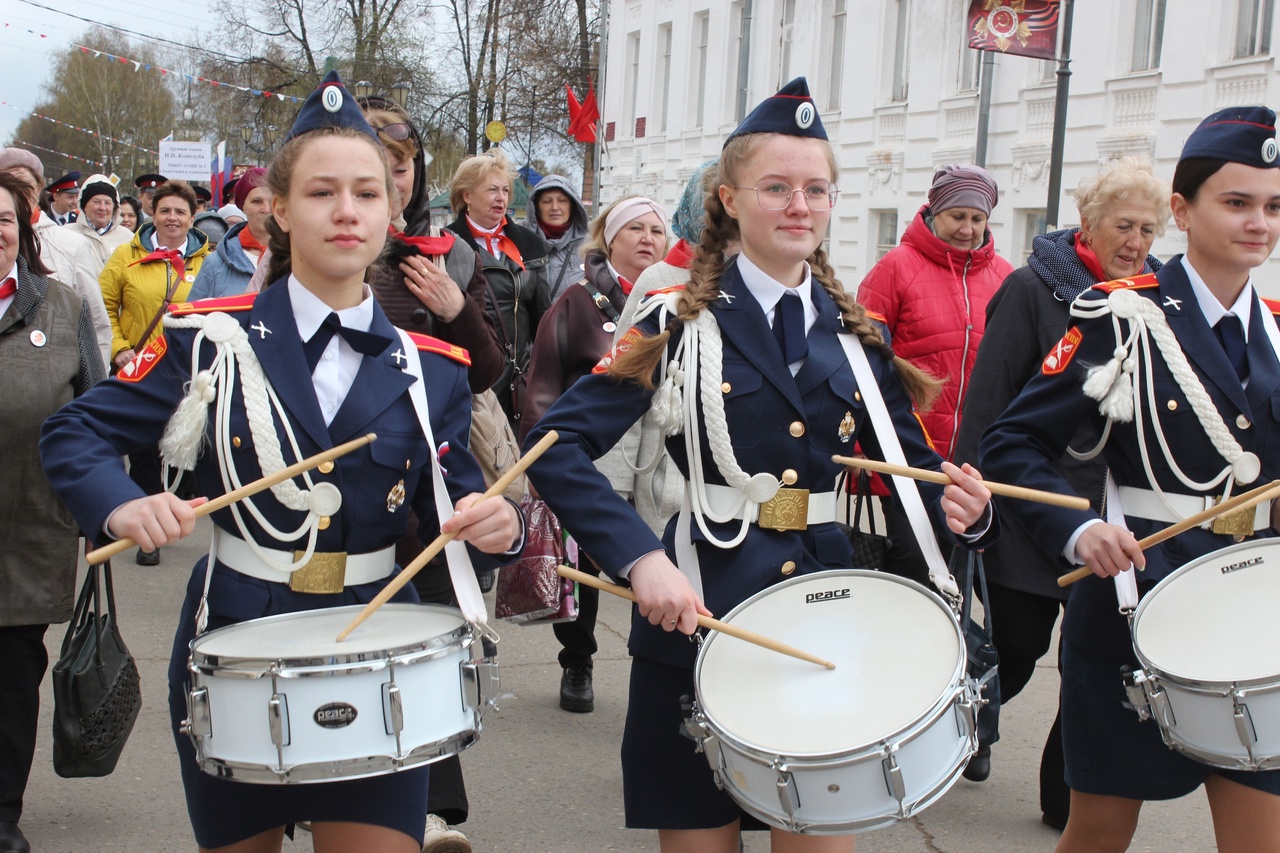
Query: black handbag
{"points": [[870, 548], [96, 690], [983, 659]]}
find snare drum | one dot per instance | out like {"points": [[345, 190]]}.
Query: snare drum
{"points": [[828, 752], [279, 700], [1210, 657]]}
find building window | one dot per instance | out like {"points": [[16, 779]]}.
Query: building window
{"points": [[736, 78], [1033, 225], [898, 90], [664, 82], [970, 76], [1046, 71], [1148, 33], [1253, 27], [633, 77], [787, 26], [838, 18], [702, 30], [886, 232]]}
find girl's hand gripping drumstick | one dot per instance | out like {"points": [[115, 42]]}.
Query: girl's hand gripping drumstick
{"points": [[1002, 489]]}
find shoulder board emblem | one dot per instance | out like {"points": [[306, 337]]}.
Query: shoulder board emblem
{"points": [[426, 343], [1138, 282], [1272, 305], [675, 288], [144, 362], [879, 318], [1062, 353], [228, 304], [626, 342]]}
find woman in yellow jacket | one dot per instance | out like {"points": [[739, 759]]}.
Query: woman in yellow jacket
{"points": [[152, 270], [141, 278]]}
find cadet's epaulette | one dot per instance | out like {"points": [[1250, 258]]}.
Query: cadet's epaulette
{"points": [[675, 288], [228, 304], [1273, 305], [426, 343], [1138, 282], [879, 318]]}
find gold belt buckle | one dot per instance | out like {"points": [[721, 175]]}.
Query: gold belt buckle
{"points": [[787, 510], [1238, 524], [323, 573]]}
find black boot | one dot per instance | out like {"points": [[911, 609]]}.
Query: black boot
{"points": [[576, 694], [11, 838], [979, 767]]}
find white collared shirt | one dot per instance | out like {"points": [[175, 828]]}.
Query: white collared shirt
{"points": [[339, 363], [1212, 308], [492, 249], [768, 292]]}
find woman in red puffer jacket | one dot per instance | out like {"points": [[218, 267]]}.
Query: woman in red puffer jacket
{"points": [[932, 290]]}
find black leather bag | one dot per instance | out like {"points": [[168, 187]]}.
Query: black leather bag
{"points": [[870, 548], [983, 660], [96, 690]]}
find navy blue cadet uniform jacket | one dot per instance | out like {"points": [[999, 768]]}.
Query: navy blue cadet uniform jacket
{"points": [[83, 442], [1037, 426], [776, 422]]}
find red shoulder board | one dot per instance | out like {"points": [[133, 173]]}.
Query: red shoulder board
{"points": [[426, 343], [1138, 282], [626, 342], [879, 318], [144, 361], [229, 304], [1272, 305], [675, 288]]}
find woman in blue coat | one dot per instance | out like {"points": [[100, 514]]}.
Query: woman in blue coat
{"points": [[768, 414], [1177, 371], [318, 319]]}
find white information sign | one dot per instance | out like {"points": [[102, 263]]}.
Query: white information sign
{"points": [[187, 161]]}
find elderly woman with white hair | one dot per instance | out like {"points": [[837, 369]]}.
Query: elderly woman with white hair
{"points": [[625, 240]]}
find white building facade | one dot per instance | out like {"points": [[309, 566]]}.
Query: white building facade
{"points": [[898, 91]]}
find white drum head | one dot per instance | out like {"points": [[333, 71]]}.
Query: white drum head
{"points": [[1208, 620], [313, 633], [897, 651]]}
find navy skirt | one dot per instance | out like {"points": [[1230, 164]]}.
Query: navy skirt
{"points": [[1110, 752], [223, 811]]}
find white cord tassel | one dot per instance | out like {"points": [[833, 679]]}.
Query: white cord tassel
{"points": [[667, 406], [185, 434], [1111, 384]]}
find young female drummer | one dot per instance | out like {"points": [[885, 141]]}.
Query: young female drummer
{"points": [[1179, 372], [331, 186], [777, 413]]}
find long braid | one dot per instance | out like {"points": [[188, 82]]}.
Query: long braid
{"points": [[922, 387]]}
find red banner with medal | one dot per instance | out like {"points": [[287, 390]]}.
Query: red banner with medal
{"points": [[1021, 27]]}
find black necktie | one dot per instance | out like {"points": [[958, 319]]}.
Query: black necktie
{"points": [[364, 343], [788, 327], [1231, 335]]}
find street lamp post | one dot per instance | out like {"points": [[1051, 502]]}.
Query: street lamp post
{"points": [[362, 88], [400, 95]]}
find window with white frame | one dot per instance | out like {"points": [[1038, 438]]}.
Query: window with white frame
{"points": [[969, 78], [664, 75], [702, 36], [1046, 71], [898, 85], [1253, 27], [1148, 33], [633, 78], [787, 26], [736, 76], [1033, 225], [836, 63], [886, 232]]}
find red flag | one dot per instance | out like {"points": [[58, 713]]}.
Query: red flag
{"points": [[588, 117], [1021, 27], [575, 110]]}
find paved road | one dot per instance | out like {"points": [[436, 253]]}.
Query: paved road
{"points": [[539, 779]]}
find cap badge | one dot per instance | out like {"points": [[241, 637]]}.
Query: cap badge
{"points": [[805, 114], [1270, 150], [332, 98]]}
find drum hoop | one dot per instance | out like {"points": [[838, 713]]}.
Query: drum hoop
{"points": [[956, 683], [1158, 672]]}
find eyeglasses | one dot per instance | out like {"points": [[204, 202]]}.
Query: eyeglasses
{"points": [[398, 131], [775, 195]]}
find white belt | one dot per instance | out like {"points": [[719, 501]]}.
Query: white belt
{"points": [[821, 506], [1145, 503], [342, 569]]}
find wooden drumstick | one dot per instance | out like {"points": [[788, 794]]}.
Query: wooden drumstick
{"points": [[1007, 491], [704, 621], [106, 552], [437, 545], [1242, 501]]}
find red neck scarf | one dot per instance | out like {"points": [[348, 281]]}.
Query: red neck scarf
{"points": [[681, 255], [554, 231], [625, 285], [496, 241], [8, 288], [429, 246], [1090, 260], [250, 243], [172, 256]]}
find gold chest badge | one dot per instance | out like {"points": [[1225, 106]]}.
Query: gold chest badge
{"points": [[395, 497]]}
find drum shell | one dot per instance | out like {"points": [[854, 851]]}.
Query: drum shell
{"points": [[856, 786], [231, 705]]}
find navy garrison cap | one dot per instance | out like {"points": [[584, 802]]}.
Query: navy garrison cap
{"points": [[791, 111], [330, 105], [68, 182], [1238, 135]]}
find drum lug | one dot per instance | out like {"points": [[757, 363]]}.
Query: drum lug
{"points": [[893, 780], [199, 722], [1135, 685], [1244, 726], [482, 684], [788, 795], [393, 710]]}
